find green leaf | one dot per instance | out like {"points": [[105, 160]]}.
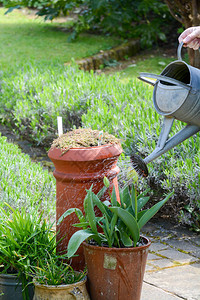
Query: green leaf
{"points": [[10, 9], [83, 225], [152, 211], [129, 221], [141, 213], [69, 212], [76, 240], [121, 197], [141, 202], [126, 240], [101, 206], [101, 192], [134, 200], [90, 211], [106, 230], [114, 197], [126, 196], [112, 225], [143, 193]]}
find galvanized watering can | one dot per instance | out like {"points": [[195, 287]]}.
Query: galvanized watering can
{"points": [[176, 95]]}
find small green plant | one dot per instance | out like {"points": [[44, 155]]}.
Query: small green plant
{"points": [[120, 223], [25, 239], [110, 63], [53, 271]]}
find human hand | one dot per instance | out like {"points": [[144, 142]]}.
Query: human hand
{"points": [[191, 37]]}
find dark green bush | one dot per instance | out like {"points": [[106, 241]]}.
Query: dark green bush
{"points": [[145, 19]]}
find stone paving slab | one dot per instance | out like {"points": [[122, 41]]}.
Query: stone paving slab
{"points": [[150, 292], [173, 264], [178, 256], [186, 246], [160, 264], [157, 246], [182, 281]]}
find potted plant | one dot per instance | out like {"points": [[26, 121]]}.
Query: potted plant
{"points": [[24, 238], [115, 252], [55, 279], [81, 157]]}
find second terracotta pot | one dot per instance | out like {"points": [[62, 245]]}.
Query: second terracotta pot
{"points": [[116, 273]]}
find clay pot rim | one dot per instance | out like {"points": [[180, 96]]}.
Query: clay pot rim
{"points": [[61, 286], [13, 277], [88, 148], [86, 153], [113, 249]]}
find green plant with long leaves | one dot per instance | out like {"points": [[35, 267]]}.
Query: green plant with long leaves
{"points": [[25, 238], [120, 223], [54, 271]]}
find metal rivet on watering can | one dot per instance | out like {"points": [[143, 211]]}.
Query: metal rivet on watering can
{"points": [[176, 95]]}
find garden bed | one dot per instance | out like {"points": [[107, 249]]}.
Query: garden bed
{"points": [[23, 182], [33, 97]]}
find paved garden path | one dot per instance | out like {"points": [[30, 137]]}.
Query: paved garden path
{"points": [[173, 266]]}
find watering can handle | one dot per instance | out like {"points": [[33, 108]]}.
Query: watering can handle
{"points": [[143, 77], [179, 51]]}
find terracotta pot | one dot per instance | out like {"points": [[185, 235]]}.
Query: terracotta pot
{"points": [[76, 171], [61, 292], [115, 273]]}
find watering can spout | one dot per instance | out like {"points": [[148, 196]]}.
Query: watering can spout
{"points": [[164, 144], [178, 138]]}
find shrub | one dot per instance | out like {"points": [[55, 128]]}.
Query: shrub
{"points": [[24, 183], [145, 19], [32, 99]]}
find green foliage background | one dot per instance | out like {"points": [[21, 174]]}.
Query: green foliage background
{"points": [[145, 19], [33, 97], [35, 92]]}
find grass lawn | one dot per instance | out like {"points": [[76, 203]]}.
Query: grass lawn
{"points": [[25, 39], [143, 62], [149, 65]]}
